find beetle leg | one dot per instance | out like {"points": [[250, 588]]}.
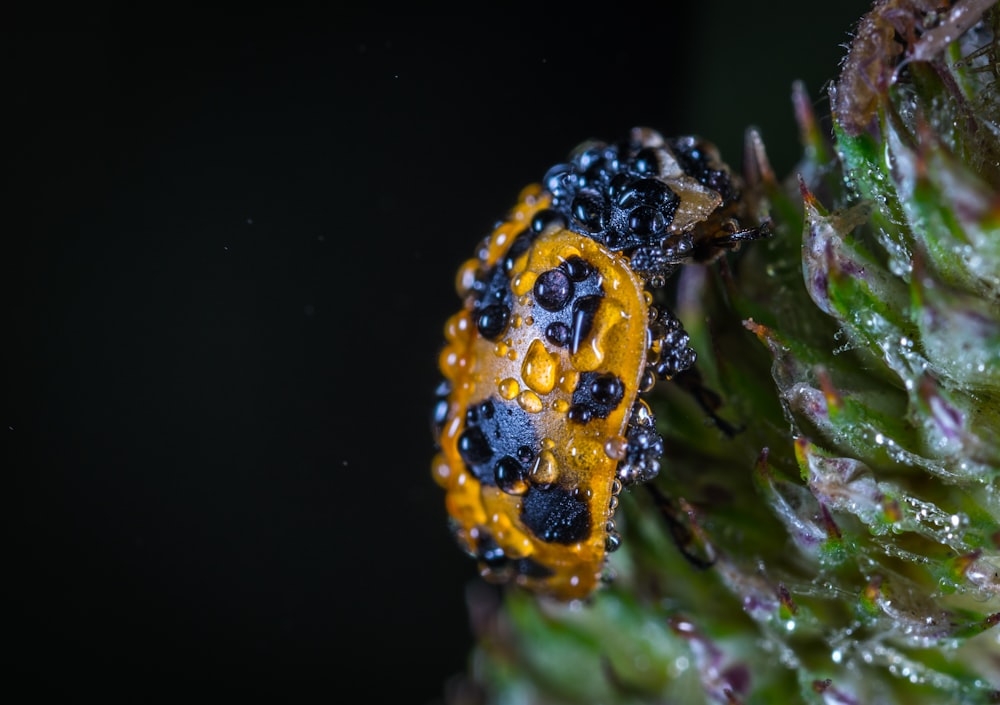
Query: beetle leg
{"points": [[691, 382], [688, 536]]}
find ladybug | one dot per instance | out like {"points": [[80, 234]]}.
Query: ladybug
{"points": [[540, 421]]}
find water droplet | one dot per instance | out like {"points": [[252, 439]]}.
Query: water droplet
{"points": [[508, 388], [545, 471], [529, 401], [540, 368], [511, 476], [568, 381], [553, 290], [615, 448], [492, 321], [441, 470]]}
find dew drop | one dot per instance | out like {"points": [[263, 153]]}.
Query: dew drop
{"points": [[540, 368], [553, 290], [492, 321], [545, 471], [529, 401], [508, 388], [511, 476], [615, 448]]}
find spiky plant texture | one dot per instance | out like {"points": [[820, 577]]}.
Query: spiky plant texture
{"points": [[854, 521]]}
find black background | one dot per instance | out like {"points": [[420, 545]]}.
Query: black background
{"points": [[230, 248]]}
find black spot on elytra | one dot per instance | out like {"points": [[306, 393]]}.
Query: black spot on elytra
{"points": [[596, 394], [568, 297], [531, 568], [556, 515], [492, 297], [474, 447], [493, 557], [511, 475], [521, 244], [489, 552], [498, 443]]}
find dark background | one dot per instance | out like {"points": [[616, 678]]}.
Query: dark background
{"points": [[230, 247]]}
